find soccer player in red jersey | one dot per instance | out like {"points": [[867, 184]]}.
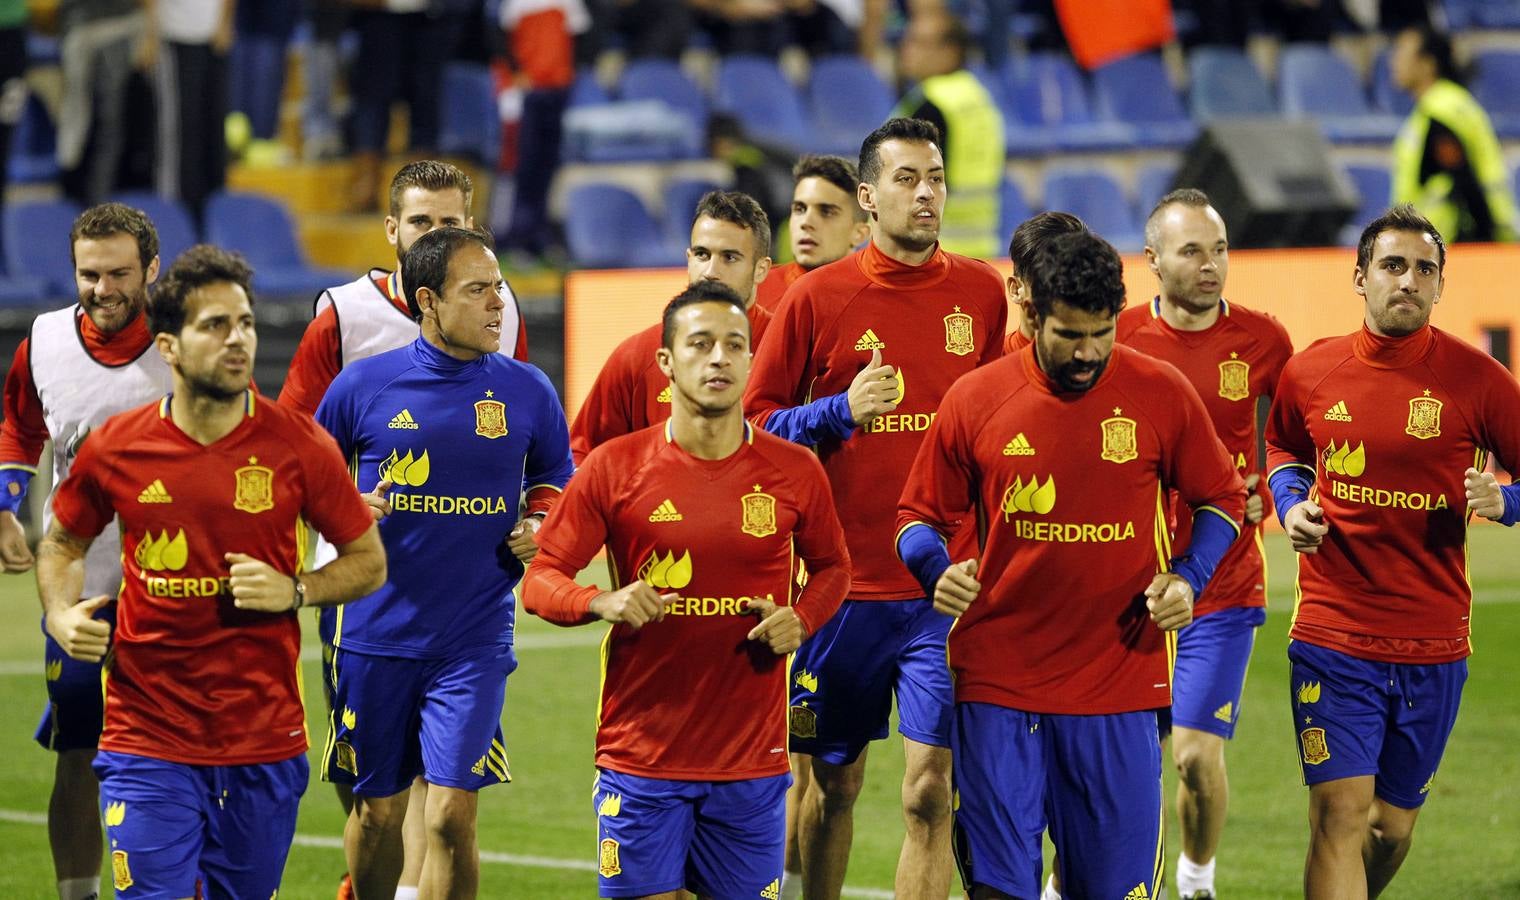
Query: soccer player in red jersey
{"points": [[202, 759], [1233, 356], [1376, 446], [826, 223], [821, 380], [1064, 453], [730, 244], [369, 315], [76, 368], [1030, 233], [707, 516]]}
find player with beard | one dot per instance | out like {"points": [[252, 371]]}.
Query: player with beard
{"points": [[77, 367], [1064, 452], [369, 315], [1233, 356], [860, 355], [826, 223]]}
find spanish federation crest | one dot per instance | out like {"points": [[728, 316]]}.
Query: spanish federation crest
{"points": [[1119, 439], [958, 337], [1316, 750], [801, 722], [1424, 417], [255, 487], [759, 514], [490, 418], [607, 864], [1234, 378]]}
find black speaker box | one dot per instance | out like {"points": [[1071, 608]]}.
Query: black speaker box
{"points": [[1272, 180]]}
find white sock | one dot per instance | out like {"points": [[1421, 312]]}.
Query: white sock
{"points": [[79, 889], [791, 885], [1192, 877], [406, 893], [1050, 892]]}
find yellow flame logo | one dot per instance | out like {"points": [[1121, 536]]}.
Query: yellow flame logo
{"points": [[667, 572], [116, 813], [54, 669], [1345, 461], [406, 471], [1308, 692], [349, 718], [162, 553], [611, 805], [1032, 497], [806, 679]]}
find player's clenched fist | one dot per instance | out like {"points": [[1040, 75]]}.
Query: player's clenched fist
{"points": [[523, 540], [1483, 494], [780, 627], [258, 586], [1305, 525], [379, 506], [874, 391], [78, 632], [956, 588], [1255, 506], [1170, 601], [635, 604]]}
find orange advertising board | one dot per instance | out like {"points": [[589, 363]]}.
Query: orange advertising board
{"points": [[1308, 290]]}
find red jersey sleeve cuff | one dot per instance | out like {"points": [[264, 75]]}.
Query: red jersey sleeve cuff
{"points": [[826, 590]]}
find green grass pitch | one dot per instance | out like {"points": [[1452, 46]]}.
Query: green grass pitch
{"points": [[537, 835]]}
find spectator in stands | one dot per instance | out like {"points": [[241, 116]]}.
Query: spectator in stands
{"points": [[1446, 159], [321, 137], [933, 58], [12, 84], [403, 45], [264, 29], [100, 41], [743, 26], [194, 42], [761, 171]]}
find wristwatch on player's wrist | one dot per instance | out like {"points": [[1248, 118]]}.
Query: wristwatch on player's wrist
{"points": [[299, 599]]}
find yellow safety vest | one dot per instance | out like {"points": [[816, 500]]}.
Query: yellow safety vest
{"points": [[974, 168], [1452, 105]]}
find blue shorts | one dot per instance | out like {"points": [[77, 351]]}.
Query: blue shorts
{"points": [[1209, 674], [76, 707], [1095, 781], [1359, 717], [843, 679], [170, 824], [393, 719], [720, 839]]}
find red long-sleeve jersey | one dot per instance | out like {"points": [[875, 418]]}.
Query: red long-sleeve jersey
{"points": [[1387, 426], [1069, 492], [934, 322], [769, 292], [1232, 364]]}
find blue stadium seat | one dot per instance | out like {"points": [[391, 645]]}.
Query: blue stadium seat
{"points": [[1495, 87], [1151, 185], [36, 241], [586, 90], [1224, 83], [259, 228], [22, 293], [663, 80], [1497, 13], [681, 196], [176, 230], [470, 124], [1373, 186], [1316, 82], [607, 227], [1047, 109], [846, 100], [33, 146], [1136, 90], [1094, 196], [753, 89], [1387, 97], [1013, 210]]}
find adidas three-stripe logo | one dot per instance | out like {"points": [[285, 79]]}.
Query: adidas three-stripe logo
{"points": [[155, 493], [665, 512], [404, 419], [1338, 412], [869, 341], [1019, 446]]}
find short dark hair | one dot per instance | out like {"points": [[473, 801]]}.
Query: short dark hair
{"points": [[701, 292], [836, 170], [107, 219], [740, 209], [197, 267], [1437, 45], [1398, 218], [918, 131], [426, 264], [1180, 197], [1078, 269], [430, 175], [1036, 230]]}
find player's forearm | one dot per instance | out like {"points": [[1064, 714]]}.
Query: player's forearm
{"points": [[1511, 494], [826, 589], [1212, 535], [14, 480], [554, 596], [922, 550], [812, 423], [1290, 484], [60, 572], [358, 571]]}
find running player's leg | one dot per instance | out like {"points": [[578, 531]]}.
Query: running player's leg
{"points": [[155, 815], [796, 795], [413, 841], [1000, 765], [924, 708], [250, 828], [644, 833], [841, 700], [739, 841]]}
